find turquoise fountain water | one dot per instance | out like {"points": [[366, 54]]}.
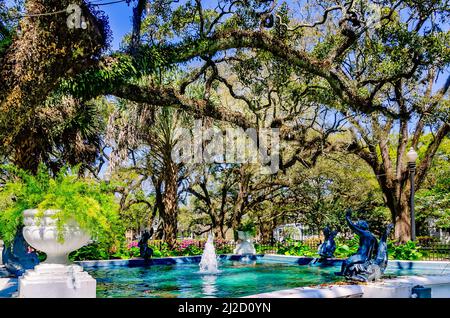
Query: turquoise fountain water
{"points": [[239, 275], [236, 279]]}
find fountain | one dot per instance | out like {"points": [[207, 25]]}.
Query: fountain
{"points": [[208, 263], [17, 258], [145, 251]]}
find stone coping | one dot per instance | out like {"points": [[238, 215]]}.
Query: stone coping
{"points": [[333, 291], [138, 262], [8, 287], [442, 265], [301, 260], [400, 287]]}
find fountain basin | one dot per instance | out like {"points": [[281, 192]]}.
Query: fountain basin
{"points": [[268, 274]]}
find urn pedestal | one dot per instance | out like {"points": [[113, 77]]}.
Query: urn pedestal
{"points": [[55, 277], [57, 281]]}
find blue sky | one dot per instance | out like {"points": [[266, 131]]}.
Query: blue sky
{"points": [[119, 20]]}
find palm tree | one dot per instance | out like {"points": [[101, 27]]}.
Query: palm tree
{"points": [[65, 131], [143, 137], [165, 173]]}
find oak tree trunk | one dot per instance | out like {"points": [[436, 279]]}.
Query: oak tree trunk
{"points": [[400, 212], [402, 219], [219, 232]]}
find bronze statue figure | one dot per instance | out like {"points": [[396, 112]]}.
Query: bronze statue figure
{"points": [[370, 260], [17, 258], [145, 251], [327, 248], [382, 253]]}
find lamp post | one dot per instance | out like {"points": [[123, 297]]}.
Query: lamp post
{"points": [[412, 157]]}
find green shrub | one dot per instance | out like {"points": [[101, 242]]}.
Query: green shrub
{"points": [[92, 204], [263, 249], [297, 249], [161, 249], [187, 247], [313, 242], [407, 251], [102, 251], [223, 247], [134, 252], [346, 248], [94, 251]]}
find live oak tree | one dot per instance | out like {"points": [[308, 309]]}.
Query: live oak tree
{"points": [[346, 59], [383, 142], [408, 66], [227, 193], [321, 195], [137, 205], [33, 126], [265, 89]]}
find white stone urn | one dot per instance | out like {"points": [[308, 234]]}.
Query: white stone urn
{"points": [[42, 234], [55, 278], [245, 246]]}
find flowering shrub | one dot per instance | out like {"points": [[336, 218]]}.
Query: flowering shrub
{"points": [[223, 247], [133, 249], [133, 244], [160, 248], [188, 247]]}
